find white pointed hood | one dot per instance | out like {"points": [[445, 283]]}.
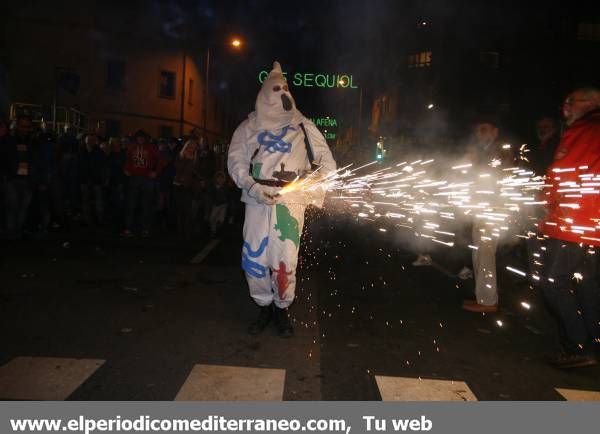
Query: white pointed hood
{"points": [[271, 113]]}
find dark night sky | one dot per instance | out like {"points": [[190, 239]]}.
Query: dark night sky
{"points": [[369, 39], [307, 36], [313, 36]]}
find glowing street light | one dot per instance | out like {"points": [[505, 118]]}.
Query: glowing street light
{"points": [[430, 106], [236, 43]]}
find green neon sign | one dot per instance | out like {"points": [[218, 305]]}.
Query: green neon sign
{"points": [[321, 80], [325, 122]]}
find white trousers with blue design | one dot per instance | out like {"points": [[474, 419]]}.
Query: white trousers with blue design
{"points": [[270, 251]]}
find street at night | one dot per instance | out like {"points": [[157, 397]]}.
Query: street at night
{"points": [[232, 216], [145, 316]]}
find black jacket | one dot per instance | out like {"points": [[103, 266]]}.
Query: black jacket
{"points": [[93, 167], [19, 158]]}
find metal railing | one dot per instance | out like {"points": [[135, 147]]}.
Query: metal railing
{"points": [[76, 119]]}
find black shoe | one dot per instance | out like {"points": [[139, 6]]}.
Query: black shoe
{"points": [[263, 320], [282, 322], [567, 361]]}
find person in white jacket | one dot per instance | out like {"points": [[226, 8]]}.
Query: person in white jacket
{"points": [[275, 145]]}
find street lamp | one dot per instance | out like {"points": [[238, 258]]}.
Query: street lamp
{"points": [[235, 43]]}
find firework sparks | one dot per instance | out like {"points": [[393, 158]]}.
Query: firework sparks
{"points": [[425, 196]]}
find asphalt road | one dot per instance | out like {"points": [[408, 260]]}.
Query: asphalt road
{"points": [[90, 316]]}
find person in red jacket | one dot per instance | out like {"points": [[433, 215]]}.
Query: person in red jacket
{"points": [[142, 166], [569, 281]]}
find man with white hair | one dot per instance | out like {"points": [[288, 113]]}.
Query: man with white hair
{"points": [[275, 145], [584, 101], [569, 280]]}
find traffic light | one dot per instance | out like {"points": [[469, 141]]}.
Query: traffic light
{"points": [[380, 149]]}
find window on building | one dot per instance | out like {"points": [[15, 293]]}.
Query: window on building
{"points": [[191, 92], [112, 128], [588, 32], [166, 88], [489, 59], [420, 60], [115, 74], [165, 131]]}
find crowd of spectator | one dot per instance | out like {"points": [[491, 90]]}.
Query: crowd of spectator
{"points": [[133, 185]]}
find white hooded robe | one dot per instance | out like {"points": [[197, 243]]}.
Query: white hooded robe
{"points": [[271, 142]]}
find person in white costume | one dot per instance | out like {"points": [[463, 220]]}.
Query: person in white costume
{"points": [[273, 146]]}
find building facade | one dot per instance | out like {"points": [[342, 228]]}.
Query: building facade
{"points": [[111, 67], [447, 66]]}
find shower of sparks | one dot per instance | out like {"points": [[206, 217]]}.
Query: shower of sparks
{"points": [[514, 270], [431, 198], [413, 195]]}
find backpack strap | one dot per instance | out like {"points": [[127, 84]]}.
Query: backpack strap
{"points": [[309, 151]]}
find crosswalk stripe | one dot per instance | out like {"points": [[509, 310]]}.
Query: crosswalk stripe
{"points": [[44, 378], [579, 395], [417, 389], [232, 383], [205, 251]]}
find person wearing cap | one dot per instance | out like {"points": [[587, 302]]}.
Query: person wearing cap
{"points": [[142, 166], [485, 151], [273, 146]]}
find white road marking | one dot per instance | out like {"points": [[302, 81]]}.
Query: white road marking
{"points": [[205, 251], [44, 378], [232, 383], [579, 395], [415, 389]]}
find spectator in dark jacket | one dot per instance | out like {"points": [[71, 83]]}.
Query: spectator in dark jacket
{"points": [[186, 184], [68, 151], [539, 158], [117, 181], [168, 152], [92, 165], [48, 188], [541, 154], [20, 177]]}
